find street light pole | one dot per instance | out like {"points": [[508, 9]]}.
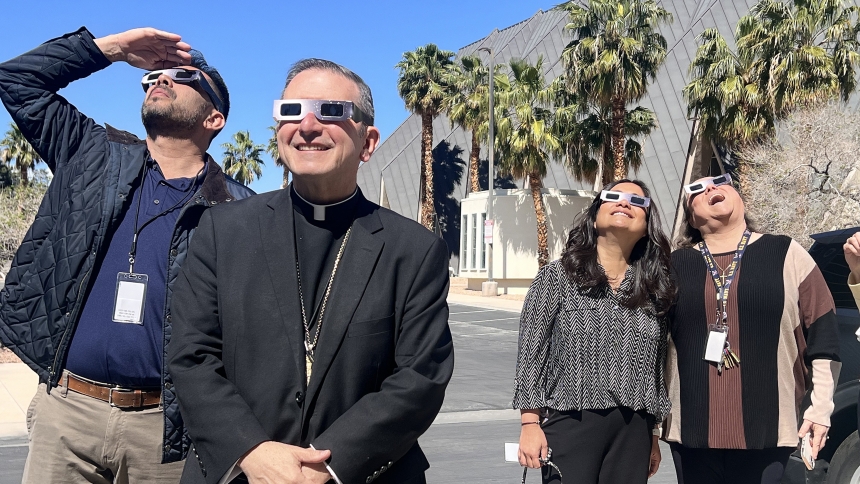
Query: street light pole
{"points": [[491, 287]]}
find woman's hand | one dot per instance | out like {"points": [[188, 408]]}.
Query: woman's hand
{"points": [[533, 446], [654, 460]]}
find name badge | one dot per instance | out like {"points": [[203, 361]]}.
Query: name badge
{"points": [[717, 334], [130, 298]]}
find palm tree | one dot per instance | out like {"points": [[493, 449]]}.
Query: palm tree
{"points": [[584, 131], [615, 51], [468, 105], [731, 105], [803, 51], [272, 150], [242, 158], [789, 54], [422, 86], [16, 147], [527, 138]]}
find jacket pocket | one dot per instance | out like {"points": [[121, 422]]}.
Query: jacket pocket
{"points": [[371, 326]]}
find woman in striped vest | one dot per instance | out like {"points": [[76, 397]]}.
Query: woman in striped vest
{"points": [[753, 329]]}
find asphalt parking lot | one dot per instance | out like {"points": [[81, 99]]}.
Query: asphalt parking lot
{"points": [[466, 443]]}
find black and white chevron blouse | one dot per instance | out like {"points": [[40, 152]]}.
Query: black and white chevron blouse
{"points": [[583, 350]]}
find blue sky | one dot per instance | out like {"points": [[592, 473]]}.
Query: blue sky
{"points": [[253, 43]]}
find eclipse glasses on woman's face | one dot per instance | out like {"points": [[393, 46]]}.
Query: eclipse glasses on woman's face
{"points": [[183, 76], [297, 109], [632, 198], [701, 186]]}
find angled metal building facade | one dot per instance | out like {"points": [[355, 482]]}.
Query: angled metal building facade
{"points": [[391, 178]]}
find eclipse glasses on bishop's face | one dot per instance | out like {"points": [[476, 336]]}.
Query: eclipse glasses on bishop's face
{"points": [[699, 187], [632, 199], [297, 109], [183, 76]]}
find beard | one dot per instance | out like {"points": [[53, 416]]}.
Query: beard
{"points": [[170, 120]]}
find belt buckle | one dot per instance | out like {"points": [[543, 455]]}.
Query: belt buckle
{"points": [[110, 395]]}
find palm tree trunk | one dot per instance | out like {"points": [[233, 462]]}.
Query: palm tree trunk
{"points": [[25, 176], [607, 161], [474, 160], [536, 185], [618, 114], [427, 206]]}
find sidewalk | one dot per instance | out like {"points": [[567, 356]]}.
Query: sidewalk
{"points": [[17, 386]]}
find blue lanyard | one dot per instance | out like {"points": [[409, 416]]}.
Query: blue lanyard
{"points": [[721, 287], [137, 230]]}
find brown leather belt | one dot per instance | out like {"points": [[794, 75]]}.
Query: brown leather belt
{"points": [[115, 396]]}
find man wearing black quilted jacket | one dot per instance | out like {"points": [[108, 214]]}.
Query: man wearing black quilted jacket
{"points": [[86, 303]]}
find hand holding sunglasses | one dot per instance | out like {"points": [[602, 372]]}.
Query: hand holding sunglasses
{"points": [[699, 187], [297, 109], [183, 76], [632, 199]]}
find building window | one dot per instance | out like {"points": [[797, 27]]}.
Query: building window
{"points": [[464, 243], [481, 244], [474, 242]]}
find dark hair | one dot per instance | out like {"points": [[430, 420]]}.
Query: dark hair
{"points": [[689, 236], [365, 97], [199, 62], [653, 287]]}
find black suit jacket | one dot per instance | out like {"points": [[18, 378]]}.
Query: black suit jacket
{"points": [[383, 360]]}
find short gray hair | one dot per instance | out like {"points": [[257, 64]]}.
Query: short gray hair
{"points": [[365, 98]]}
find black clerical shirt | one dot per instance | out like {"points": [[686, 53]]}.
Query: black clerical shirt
{"points": [[319, 231]]}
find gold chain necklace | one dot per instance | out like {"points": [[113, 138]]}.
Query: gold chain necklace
{"points": [[310, 346]]}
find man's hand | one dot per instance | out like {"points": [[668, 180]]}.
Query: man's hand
{"points": [[655, 458], [316, 473], [817, 435], [146, 48], [852, 255], [274, 462]]}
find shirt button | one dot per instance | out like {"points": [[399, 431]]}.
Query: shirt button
{"points": [[156, 202]]}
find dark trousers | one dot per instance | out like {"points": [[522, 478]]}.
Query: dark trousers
{"points": [[729, 466], [599, 446]]}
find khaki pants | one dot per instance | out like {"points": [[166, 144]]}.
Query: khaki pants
{"points": [[76, 439]]}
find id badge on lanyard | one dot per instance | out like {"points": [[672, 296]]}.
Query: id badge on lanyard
{"points": [[718, 333], [717, 348], [130, 297]]}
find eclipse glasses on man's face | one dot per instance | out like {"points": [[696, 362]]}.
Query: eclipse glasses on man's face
{"points": [[699, 187], [183, 76], [632, 198], [297, 109]]}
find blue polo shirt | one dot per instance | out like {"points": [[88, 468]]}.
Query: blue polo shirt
{"points": [[131, 355]]}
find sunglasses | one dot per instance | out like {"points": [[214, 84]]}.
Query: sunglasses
{"points": [[184, 76], [632, 199], [297, 109], [699, 187]]}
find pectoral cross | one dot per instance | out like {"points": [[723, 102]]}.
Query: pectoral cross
{"points": [[309, 361]]}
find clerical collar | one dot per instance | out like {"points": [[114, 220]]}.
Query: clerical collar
{"points": [[320, 210]]}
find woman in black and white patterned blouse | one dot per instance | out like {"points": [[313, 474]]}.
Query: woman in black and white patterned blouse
{"points": [[589, 378]]}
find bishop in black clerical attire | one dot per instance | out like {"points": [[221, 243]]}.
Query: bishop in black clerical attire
{"points": [[310, 329]]}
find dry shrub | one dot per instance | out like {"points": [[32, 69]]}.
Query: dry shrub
{"points": [[18, 206], [806, 179]]}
